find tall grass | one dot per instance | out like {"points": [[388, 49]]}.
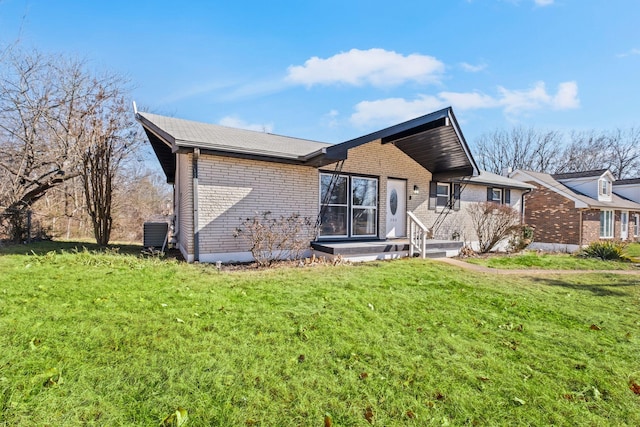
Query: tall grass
{"points": [[111, 339]]}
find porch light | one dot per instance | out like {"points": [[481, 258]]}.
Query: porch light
{"points": [[416, 190]]}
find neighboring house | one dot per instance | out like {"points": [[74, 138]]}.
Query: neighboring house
{"points": [[630, 188], [570, 210], [449, 202]]}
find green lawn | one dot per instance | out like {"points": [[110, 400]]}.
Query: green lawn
{"points": [[108, 339], [633, 251], [557, 261]]}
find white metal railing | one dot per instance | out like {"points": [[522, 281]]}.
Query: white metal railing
{"points": [[418, 234]]}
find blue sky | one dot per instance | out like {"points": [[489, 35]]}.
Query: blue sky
{"points": [[335, 70]]}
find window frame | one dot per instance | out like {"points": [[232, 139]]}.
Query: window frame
{"points": [[354, 207], [345, 205], [606, 191], [607, 222], [441, 207], [350, 206], [500, 193]]}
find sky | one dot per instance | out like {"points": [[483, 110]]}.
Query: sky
{"points": [[334, 70]]}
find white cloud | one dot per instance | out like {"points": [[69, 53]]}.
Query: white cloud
{"points": [[472, 68], [512, 102], [567, 96], [543, 2], [392, 110], [235, 122], [630, 52], [377, 67]]}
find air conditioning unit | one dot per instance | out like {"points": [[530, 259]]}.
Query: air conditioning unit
{"points": [[155, 234]]}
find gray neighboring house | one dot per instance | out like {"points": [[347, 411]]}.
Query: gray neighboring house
{"points": [[377, 196]]}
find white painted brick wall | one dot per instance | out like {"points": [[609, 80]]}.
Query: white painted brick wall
{"points": [[231, 189]]}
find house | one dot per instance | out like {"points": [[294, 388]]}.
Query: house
{"points": [[486, 187], [570, 210], [630, 189], [367, 194]]}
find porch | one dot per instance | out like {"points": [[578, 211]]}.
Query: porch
{"points": [[369, 250]]}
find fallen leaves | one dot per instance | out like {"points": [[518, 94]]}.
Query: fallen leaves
{"points": [[634, 387], [518, 401], [368, 415], [595, 327], [175, 419]]}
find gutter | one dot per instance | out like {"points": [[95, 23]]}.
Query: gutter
{"points": [[196, 227]]}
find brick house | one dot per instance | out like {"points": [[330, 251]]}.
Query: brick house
{"points": [[382, 195], [570, 210]]}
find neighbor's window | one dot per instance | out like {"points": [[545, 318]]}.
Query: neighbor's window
{"points": [[496, 195], [443, 195], [606, 224]]}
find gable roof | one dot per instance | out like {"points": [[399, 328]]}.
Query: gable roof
{"points": [[581, 200], [627, 181], [580, 174], [435, 141]]}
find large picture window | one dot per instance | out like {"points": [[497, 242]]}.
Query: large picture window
{"points": [[348, 206], [606, 224]]}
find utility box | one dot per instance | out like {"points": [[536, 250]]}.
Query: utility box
{"points": [[154, 234]]}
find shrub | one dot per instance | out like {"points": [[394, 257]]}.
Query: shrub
{"points": [[605, 250], [492, 223], [521, 239], [286, 237]]}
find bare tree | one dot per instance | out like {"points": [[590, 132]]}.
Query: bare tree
{"points": [[625, 153], [33, 159], [553, 152], [58, 121], [110, 138], [586, 150], [617, 150], [519, 148]]}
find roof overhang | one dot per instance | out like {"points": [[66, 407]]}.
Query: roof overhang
{"points": [[435, 141]]}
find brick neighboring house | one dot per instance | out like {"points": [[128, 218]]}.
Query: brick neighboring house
{"points": [[372, 188], [570, 210]]}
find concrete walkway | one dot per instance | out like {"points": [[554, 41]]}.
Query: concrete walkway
{"points": [[529, 271]]}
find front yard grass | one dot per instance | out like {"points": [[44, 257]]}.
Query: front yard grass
{"points": [[557, 261], [112, 339]]}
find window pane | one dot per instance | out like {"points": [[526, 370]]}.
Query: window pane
{"points": [[364, 222], [497, 195], [333, 221], [364, 191], [339, 193], [443, 190]]}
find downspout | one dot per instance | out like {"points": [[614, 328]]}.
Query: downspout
{"points": [[522, 213], [580, 229], [196, 227]]}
